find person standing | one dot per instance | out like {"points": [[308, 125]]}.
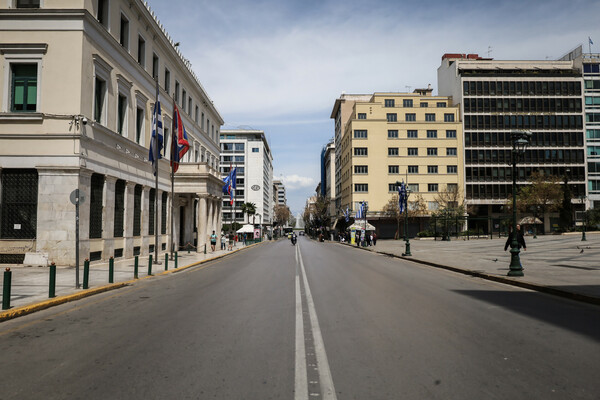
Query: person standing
{"points": [[520, 240], [230, 241], [374, 239], [223, 241]]}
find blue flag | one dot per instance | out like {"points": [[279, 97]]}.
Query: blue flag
{"points": [[229, 184], [347, 214], [402, 197], [157, 129]]}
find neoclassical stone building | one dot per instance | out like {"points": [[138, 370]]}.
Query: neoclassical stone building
{"points": [[77, 88]]}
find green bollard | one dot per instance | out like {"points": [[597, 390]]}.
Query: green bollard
{"points": [[111, 270], [86, 274], [166, 261], [175, 260], [6, 289], [52, 288], [135, 267], [150, 265]]}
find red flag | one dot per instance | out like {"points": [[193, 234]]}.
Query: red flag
{"points": [[179, 144]]}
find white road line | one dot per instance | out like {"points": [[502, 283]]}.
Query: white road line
{"points": [[326, 381], [300, 379]]}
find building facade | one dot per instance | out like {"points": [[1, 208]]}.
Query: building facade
{"points": [[496, 97], [392, 137], [589, 65], [279, 193], [328, 179], [78, 85], [249, 151]]}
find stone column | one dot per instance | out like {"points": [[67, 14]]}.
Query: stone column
{"points": [[202, 222], [55, 229], [128, 220], [210, 219], [219, 215], [145, 220], [85, 188], [108, 215]]}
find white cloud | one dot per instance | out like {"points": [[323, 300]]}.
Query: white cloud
{"points": [[293, 182]]}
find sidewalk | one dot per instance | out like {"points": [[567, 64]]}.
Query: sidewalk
{"points": [[560, 265], [30, 285]]}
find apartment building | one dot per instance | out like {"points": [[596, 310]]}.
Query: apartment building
{"points": [[391, 137], [328, 179], [279, 193], [249, 151], [78, 83], [496, 97]]}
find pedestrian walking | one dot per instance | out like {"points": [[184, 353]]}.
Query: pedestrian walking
{"points": [[374, 239], [520, 239], [213, 242], [223, 241]]}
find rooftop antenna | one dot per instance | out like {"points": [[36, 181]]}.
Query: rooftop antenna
{"points": [[408, 88], [489, 52]]}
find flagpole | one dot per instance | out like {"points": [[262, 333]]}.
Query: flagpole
{"points": [[173, 137], [156, 153]]}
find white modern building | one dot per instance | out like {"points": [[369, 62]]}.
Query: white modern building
{"points": [[249, 151], [78, 82]]}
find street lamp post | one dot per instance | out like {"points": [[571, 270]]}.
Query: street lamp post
{"points": [[583, 239], [406, 240], [520, 140], [365, 209]]}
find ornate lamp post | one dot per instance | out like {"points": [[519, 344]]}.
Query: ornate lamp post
{"points": [[520, 140], [406, 240]]}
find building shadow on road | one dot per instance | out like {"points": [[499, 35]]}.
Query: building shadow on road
{"points": [[580, 318]]}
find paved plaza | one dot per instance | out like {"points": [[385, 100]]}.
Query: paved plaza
{"points": [[561, 262]]}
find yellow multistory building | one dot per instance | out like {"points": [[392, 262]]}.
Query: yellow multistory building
{"points": [[393, 137]]}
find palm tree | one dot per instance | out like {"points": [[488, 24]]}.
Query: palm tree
{"points": [[249, 208]]}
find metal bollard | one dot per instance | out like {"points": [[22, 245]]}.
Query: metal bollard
{"points": [[86, 274], [166, 261], [175, 260], [135, 267], [6, 289], [150, 265], [52, 288], [111, 270]]}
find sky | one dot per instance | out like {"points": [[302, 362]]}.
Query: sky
{"points": [[279, 65]]}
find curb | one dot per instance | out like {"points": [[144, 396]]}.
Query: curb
{"points": [[505, 280], [31, 308]]}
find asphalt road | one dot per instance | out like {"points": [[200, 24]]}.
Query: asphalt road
{"points": [[317, 320]]}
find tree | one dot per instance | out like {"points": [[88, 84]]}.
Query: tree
{"points": [[315, 213], [450, 207], [281, 214], [416, 208], [249, 208], [543, 195]]}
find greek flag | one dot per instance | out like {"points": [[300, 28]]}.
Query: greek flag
{"points": [[360, 214], [402, 197], [590, 40], [157, 129], [347, 214]]}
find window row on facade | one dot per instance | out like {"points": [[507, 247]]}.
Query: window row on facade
{"points": [[411, 169], [140, 53], [410, 151], [523, 122], [538, 139], [557, 156], [412, 117], [504, 174], [413, 187], [521, 88], [410, 134], [19, 205], [485, 105], [410, 103], [502, 191]]}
